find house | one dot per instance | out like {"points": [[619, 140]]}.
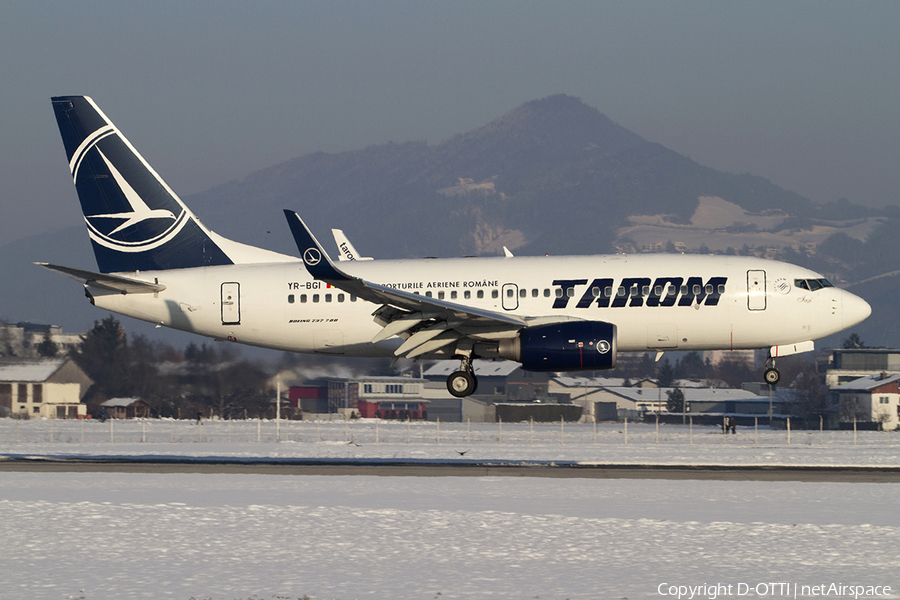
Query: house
{"points": [[51, 388], [872, 402], [126, 408]]}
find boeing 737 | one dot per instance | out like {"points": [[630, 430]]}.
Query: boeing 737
{"points": [[157, 262]]}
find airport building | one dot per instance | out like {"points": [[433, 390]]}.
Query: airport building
{"points": [[850, 364], [24, 339]]}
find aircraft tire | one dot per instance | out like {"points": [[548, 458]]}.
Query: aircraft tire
{"points": [[461, 384], [772, 376]]}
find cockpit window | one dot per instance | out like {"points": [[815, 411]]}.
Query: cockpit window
{"points": [[812, 284]]}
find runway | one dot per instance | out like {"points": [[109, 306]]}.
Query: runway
{"points": [[449, 468]]}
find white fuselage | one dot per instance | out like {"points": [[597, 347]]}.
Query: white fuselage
{"points": [[281, 306]]}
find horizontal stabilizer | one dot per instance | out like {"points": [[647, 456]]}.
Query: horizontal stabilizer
{"points": [[125, 285]]}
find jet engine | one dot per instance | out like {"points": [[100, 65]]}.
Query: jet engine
{"points": [[566, 346]]}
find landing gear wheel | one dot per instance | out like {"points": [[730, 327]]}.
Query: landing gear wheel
{"points": [[461, 384], [772, 376]]}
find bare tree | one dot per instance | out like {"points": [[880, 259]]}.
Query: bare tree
{"points": [[852, 409], [810, 395]]}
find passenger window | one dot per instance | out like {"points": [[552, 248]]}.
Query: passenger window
{"points": [[352, 298], [480, 294], [646, 290], [595, 292], [708, 288], [684, 290], [509, 293], [467, 294], [658, 290], [721, 289], [559, 293], [523, 293], [608, 291], [696, 290], [494, 293], [290, 298], [534, 293], [315, 297], [340, 297], [453, 295], [428, 294], [327, 297], [546, 293], [440, 295], [570, 292], [620, 292], [302, 298]]}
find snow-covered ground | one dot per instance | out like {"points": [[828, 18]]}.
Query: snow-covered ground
{"points": [[607, 443], [110, 536]]}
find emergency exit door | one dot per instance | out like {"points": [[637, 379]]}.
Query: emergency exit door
{"points": [[231, 303], [510, 296], [756, 290]]}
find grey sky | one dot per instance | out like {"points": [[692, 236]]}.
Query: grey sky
{"points": [[806, 94]]}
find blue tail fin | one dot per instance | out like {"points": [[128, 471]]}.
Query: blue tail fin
{"points": [[135, 221]]}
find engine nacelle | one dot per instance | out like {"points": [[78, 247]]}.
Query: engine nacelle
{"points": [[566, 346]]}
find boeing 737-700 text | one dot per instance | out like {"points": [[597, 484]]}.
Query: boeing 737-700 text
{"points": [[157, 262]]}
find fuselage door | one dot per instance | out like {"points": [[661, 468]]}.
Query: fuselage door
{"points": [[231, 303], [756, 290], [510, 296]]}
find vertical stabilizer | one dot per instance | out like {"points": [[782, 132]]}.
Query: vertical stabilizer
{"points": [[135, 221]]}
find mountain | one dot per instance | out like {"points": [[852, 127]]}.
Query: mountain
{"points": [[553, 175]]}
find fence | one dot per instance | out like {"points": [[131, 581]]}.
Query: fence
{"points": [[18, 434]]}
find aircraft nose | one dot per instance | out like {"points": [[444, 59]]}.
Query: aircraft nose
{"points": [[855, 310]]}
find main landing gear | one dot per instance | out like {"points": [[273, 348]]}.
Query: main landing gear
{"points": [[771, 375], [463, 383]]}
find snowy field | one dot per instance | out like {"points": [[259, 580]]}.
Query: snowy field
{"points": [[97, 536]]}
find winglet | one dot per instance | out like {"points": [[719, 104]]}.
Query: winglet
{"points": [[314, 257]]}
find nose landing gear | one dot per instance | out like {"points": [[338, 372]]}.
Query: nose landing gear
{"points": [[771, 375]]}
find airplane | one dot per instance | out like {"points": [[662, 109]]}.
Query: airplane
{"points": [[157, 262]]}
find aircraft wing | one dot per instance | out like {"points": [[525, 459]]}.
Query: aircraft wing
{"points": [[125, 285], [428, 323]]}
